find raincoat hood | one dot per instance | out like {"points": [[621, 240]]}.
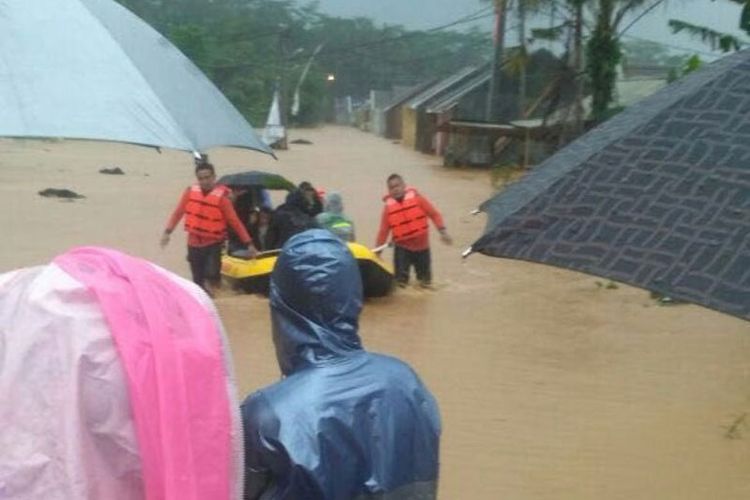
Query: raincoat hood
{"points": [[316, 299], [343, 424], [116, 383], [334, 204]]}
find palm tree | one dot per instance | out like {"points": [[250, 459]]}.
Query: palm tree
{"points": [[523, 8], [570, 32], [518, 61], [602, 47], [603, 55], [577, 7], [716, 39]]}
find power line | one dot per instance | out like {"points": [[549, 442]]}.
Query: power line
{"points": [[348, 50], [480, 14], [468, 44], [639, 17]]}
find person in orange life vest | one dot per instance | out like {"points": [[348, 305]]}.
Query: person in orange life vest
{"points": [[405, 216], [208, 211]]}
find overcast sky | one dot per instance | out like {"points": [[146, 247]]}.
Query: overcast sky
{"points": [[721, 15]]}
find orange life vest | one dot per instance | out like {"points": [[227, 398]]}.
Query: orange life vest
{"points": [[203, 215], [406, 218]]}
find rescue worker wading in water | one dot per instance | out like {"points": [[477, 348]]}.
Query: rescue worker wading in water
{"points": [[208, 211], [405, 216]]}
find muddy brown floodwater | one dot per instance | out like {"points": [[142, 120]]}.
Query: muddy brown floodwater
{"points": [[550, 385]]}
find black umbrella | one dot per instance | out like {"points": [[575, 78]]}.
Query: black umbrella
{"points": [[255, 178], [658, 196]]}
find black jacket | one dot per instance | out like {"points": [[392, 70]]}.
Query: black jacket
{"points": [[293, 217]]}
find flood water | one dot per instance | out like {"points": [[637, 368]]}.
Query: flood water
{"points": [[551, 385]]}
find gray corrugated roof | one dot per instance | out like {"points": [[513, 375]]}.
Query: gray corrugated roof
{"points": [[407, 94], [450, 99], [658, 196], [443, 85]]}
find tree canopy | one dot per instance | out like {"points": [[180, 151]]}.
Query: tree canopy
{"points": [[246, 47]]}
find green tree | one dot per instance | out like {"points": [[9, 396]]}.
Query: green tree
{"points": [[603, 49], [521, 59], [247, 46], [603, 56]]}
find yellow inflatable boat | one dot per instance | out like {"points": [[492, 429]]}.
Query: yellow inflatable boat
{"points": [[253, 275]]}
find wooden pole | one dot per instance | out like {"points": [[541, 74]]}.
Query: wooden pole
{"points": [[491, 111]]}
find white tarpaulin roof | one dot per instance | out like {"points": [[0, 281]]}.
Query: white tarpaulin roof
{"points": [[90, 69]]}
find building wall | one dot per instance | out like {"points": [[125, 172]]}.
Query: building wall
{"points": [[393, 123], [378, 99], [468, 149], [409, 119], [463, 149], [473, 106], [425, 134], [379, 123], [441, 138], [344, 111]]}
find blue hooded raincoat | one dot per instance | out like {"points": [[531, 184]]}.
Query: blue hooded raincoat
{"points": [[343, 423]]}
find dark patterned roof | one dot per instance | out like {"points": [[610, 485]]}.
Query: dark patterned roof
{"points": [[658, 196]]}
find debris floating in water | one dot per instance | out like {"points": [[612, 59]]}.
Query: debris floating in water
{"points": [[301, 141], [665, 300], [112, 171], [60, 193]]}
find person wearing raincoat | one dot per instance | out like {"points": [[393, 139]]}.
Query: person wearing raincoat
{"points": [[116, 384], [334, 220], [343, 423]]}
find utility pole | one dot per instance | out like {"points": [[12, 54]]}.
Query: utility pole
{"points": [[522, 47], [298, 89], [491, 113]]}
